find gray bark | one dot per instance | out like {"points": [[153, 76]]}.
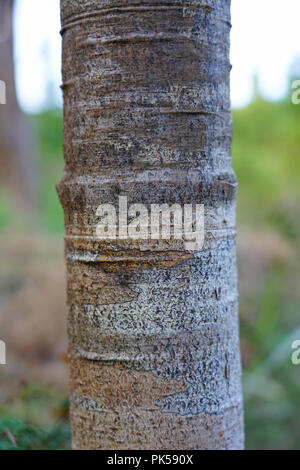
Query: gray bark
{"points": [[153, 328]]}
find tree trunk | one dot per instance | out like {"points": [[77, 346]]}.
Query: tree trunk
{"points": [[153, 327], [15, 145]]}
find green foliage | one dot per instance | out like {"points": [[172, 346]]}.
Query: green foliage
{"points": [[48, 128], [266, 161], [6, 211], [35, 419], [16, 435]]}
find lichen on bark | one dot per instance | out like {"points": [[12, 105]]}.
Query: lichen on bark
{"points": [[153, 329]]}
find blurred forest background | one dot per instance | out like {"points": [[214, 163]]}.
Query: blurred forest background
{"points": [[33, 385]]}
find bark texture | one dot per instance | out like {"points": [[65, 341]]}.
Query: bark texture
{"points": [[153, 328]]}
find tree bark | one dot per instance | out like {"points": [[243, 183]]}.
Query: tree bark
{"points": [[153, 327]]}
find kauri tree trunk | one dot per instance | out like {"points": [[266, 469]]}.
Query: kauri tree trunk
{"points": [[153, 328]]}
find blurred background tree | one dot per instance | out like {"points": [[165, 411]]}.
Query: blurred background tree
{"points": [[16, 149]]}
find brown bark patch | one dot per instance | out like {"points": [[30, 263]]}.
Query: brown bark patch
{"points": [[116, 386]]}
